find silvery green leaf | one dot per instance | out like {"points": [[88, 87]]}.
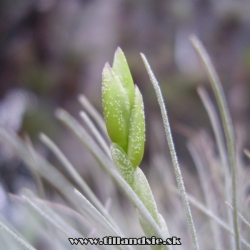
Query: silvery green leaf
{"points": [[136, 139], [116, 107], [148, 231], [143, 191], [122, 163], [163, 226]]}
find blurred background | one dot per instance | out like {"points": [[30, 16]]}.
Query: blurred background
{"points": [[53, 50]]}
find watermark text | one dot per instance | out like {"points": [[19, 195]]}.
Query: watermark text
{"points": [[112, 240]]}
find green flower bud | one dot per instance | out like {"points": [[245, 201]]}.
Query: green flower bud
{"points": [[136, 137], [123, 109], [116, 107]]}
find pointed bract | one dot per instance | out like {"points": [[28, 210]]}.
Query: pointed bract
{"points": [[136, 139], [121, 69], [143, 191], [116, 107], [122, 163]]}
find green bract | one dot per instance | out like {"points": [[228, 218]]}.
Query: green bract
{"points": [[123, 109], [136, 137], [122, 163], [116, 107], [121, 69]]}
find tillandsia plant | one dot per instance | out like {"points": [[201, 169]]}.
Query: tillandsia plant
{"points": [[125, 122], [60, 226]]}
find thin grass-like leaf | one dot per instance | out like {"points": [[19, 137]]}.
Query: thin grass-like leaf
{"points": [[219, 140], [62, 184], [214, 119], [98, 220], [95, 132], [53, 219], [36, 176], [109, 168], [209, 196], [15, 237], [50, 216], [227, 125], [247, 153], [244, 220], [93, 113], [210, 214], [178, 174], [76, 177], [45, 169]]}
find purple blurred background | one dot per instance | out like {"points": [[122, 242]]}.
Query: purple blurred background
{"points": [[53, 50]]}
